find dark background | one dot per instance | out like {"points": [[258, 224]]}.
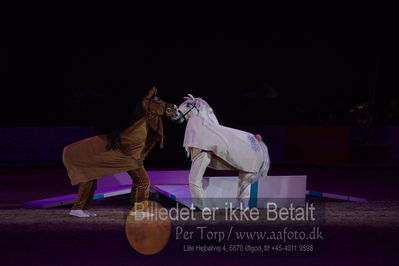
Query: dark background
{"points": [[55, 80], [72, 74]]}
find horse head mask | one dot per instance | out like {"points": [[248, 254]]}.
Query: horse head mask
{"points": [[154, 108]]}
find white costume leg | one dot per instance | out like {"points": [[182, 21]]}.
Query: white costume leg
{"points": [[244, 181], [200, 162]]}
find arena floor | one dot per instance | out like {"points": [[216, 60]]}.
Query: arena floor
{"points": [[355, 233]]}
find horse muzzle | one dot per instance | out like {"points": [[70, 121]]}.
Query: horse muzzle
{"points": [[179, 118], [170, 110]]}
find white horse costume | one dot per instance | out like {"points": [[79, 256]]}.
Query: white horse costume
{"points": [[218, 147]]}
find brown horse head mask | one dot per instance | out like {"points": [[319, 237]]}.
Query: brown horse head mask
{"points": [[154, 108]]}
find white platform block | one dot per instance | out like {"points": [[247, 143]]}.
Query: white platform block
{"points": [[219, 190], [283, 190], [220, 186]]}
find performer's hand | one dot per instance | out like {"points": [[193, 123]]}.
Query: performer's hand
{"points": [[258, 137]]}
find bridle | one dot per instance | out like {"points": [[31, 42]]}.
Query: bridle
{"points": [[151, 100], [188, 111]]}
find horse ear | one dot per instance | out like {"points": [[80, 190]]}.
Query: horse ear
{"points": [[152, 92], [189, 97]]}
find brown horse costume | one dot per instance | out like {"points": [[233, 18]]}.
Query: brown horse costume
{"points": [[91, 158]]}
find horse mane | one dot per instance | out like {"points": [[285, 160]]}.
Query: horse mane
{"points": [[114, 138]]}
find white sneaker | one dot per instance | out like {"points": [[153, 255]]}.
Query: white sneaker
{"points": [[79, 213], [90, 213]]}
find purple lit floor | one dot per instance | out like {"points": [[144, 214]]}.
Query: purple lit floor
{"points": [[358, 233]]}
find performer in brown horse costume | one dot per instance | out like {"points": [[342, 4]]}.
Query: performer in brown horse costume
{"points": [[94, 157]]}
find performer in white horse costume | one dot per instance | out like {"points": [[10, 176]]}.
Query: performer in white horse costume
{"points": [[218, 147]]}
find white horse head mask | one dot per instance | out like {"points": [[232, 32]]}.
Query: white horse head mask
{"points": [[194, 107]]}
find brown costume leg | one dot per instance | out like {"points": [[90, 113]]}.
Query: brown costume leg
{"points": [[85, 195], [141, 185]]}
